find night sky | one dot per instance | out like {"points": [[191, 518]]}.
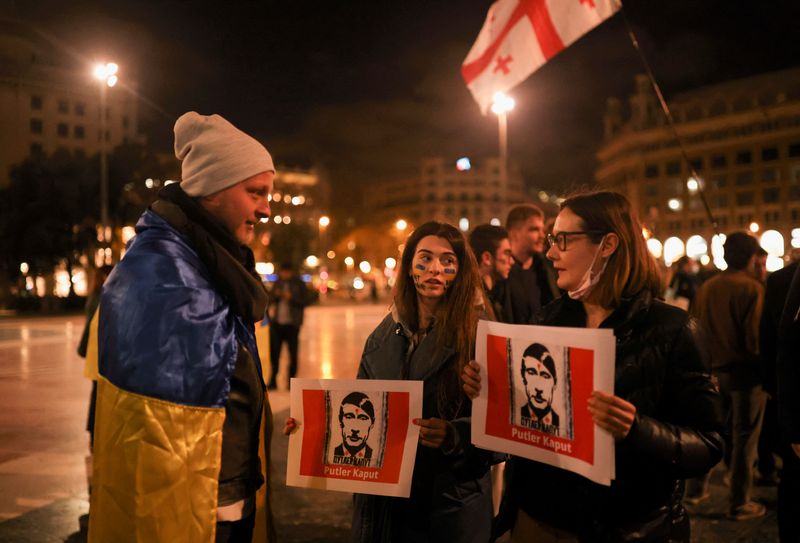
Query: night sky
{"points": [[366, 88]]}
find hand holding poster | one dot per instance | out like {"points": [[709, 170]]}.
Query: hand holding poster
{"points": [[354, 435], [537, 381]]}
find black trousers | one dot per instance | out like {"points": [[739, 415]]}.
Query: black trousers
{"points": [[789, 496], [280, 333], [237, 531]]}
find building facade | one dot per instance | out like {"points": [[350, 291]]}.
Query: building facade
{"points": [[742, 139], [299, 199], [50, 101], [462, 192]]}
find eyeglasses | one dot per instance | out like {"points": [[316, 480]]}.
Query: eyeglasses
{"points": [[560, 239]]}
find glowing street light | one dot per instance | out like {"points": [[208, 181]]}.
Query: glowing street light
{"points": [[324, 221], [401, 225], [692, 184], [502, 103], [675, 204], [754, 227], [107, 73], [364, 266]]}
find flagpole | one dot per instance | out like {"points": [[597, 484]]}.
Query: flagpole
{"points": [[501, 106], [670, 121]]}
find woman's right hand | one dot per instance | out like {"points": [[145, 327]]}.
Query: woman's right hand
{"points": [[289, 426], [471, 375]]}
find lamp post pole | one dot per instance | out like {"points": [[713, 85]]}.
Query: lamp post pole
{"points": [[103, 163], [501, 106]]}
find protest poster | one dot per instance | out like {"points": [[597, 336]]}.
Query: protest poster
{"points": [[536, 384], [354, 435]]}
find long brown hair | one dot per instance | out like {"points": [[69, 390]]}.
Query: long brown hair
{"points": [[631, 268], [456, 316]]}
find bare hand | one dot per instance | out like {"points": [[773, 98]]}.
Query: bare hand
{"points": [[612, 413], [432, 432], [471, 375], [796, 449], [290, 426]]}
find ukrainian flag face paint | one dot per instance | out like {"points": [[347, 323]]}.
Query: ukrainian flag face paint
{"points": [[434, 267]]}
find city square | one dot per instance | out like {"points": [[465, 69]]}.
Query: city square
{"points": [[43, 405]]}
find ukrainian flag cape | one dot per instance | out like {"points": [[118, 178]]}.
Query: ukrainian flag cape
{"points": [[166, 345]]}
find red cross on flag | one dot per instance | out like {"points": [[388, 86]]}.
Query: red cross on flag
{"points": [[519, 36]]}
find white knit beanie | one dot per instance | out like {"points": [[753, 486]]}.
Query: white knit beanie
{"points": [[215, 154]]}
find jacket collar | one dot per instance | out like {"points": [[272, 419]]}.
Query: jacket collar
{"points": [[568, 312]]}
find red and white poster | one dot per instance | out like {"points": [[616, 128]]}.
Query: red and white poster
{"points": [[536, 384], [354, 435]]}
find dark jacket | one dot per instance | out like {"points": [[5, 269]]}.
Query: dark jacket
{"points": [[297, 303], [450, 493], [676, 433], [775, 294], [500, 298], [531, 289]]}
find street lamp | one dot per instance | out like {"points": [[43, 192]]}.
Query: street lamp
{"points": [[322, 224], [501, 106], [401, 225], [106, 74]]}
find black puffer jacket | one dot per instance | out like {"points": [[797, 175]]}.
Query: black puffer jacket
{"points": [[676, 434]]}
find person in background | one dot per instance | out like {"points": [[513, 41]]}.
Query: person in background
{"points": [[788, 371], [288, 300], [683, 284], [664, 412], [729, 307], [775, 293], [777, 299], [92, 302], [493, 252], [531, 282], [760, 266]]}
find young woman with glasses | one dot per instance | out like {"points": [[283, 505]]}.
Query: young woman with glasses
{"points": [[664, 413]]}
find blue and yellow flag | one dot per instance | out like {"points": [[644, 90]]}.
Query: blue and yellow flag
{"points": [[166, 343]]}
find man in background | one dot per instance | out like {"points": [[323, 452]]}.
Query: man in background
{"points": [[288, 302], [729, 307], [531, 281], [493, 253]]}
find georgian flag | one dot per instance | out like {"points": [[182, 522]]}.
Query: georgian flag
{"points": [[519, 36]]}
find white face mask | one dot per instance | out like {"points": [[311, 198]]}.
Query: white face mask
{"points": [[588, 281]]}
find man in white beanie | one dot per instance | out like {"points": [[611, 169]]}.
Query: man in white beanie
{"points": [[183, 420]]}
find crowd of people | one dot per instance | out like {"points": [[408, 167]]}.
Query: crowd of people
{"points": [[182, 421]]}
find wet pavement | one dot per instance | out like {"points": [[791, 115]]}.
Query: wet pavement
{"points": [[43, 443]]}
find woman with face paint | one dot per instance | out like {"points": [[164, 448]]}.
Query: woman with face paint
{"points": [[429, 336], [664, 413]]}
